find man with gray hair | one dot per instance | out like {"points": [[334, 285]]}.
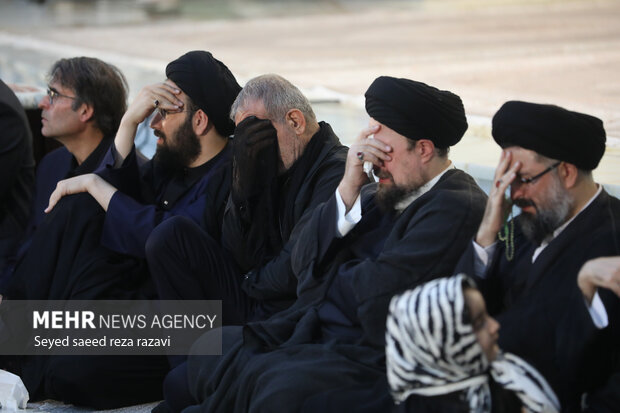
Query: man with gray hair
{"points": [[284, 164]]}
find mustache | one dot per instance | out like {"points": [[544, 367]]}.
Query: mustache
{"points": [[159, 134], [381, 174], [522, 202]]}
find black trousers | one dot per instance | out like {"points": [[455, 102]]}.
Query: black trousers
{"points": [[186, 263]]}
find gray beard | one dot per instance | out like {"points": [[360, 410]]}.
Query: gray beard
{"points": [[540, 226]]}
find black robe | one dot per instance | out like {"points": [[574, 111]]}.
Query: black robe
{"points": [[260, 234], [543, 315], [296, 359], [16, 172]]}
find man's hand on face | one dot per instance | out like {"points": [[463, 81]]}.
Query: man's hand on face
{"points": [[256, 157], [365, 149], [497, 206], [163, 96]]}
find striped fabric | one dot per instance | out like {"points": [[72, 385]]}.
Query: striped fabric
{"points": [[431, 350]]}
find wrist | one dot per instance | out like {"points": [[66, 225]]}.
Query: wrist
{"points": [[348, 194], [485, 238], [588, 288]]}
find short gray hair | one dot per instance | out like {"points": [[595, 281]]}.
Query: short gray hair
{"points": [[277, 94]]}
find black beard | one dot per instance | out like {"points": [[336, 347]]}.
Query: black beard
{"points": [[387, 197], [185, 150]]}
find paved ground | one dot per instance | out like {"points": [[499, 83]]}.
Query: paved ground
{"points": [[566, 52]]}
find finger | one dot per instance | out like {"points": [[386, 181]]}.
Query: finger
{"points": [[166, 99], [370, 157], [504, 181], [172, 86], [367, 150], [380, 145], [165, 94], [502, 166], [366, 132], [54, 198]]}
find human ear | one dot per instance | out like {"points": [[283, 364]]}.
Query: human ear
{"points": [[296, 120]]}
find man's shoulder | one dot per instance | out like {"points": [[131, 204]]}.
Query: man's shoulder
{"points": [[58, 157], [456, 183]]}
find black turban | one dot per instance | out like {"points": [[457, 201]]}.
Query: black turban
{"points": [[209, 84], [551, 131], [416, 110]]}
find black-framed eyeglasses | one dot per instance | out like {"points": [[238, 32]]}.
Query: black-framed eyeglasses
{"points": [[53, 94], [163, 112], [536, 177]]}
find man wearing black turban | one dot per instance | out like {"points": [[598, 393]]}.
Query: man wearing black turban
{"points": [[189, 176], [530, 263], [366, 243], [190, 172]]}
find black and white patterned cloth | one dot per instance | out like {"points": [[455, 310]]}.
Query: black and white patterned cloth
{"points": [[431, 349]]}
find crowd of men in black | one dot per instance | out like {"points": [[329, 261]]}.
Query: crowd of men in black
{"points": [[251, 200]]}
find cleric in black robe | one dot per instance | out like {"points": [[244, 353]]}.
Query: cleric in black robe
{"points": [[530, 273], [358, 249], [16, 170]]}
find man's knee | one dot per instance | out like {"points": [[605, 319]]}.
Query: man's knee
{"points": [[165, 236]]}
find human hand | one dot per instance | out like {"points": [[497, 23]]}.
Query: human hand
{"points": [[497, 206], [163, 95], [70, 186], [365, 149], [599, 272], [255, 157]]}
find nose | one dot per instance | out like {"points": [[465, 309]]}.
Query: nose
{"points": [[517, 190], [156, 120], [44, 102]]}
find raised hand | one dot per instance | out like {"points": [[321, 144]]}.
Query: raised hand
{"points": [[497, 206], [363, 150]]}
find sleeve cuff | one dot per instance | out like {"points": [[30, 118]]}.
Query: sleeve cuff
{"points": [[598, 312], [481, 259], [346, 221]]}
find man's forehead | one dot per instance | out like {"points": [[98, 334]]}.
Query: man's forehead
{"points": [[250, 107], [58, 86]]}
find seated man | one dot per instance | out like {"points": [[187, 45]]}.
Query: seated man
{"points": [[84, 120], [17, 171], [190, 172], [530, 277], [355, 252], [285, 163], [93, 253]]}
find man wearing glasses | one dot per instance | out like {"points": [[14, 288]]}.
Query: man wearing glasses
{"points": [[84, 120], [95, 247], [528, 265], [190, 172]]}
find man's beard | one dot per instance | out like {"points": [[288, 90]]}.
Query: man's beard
{"points": [[388, 196], [185, 149], [548, 217]]}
